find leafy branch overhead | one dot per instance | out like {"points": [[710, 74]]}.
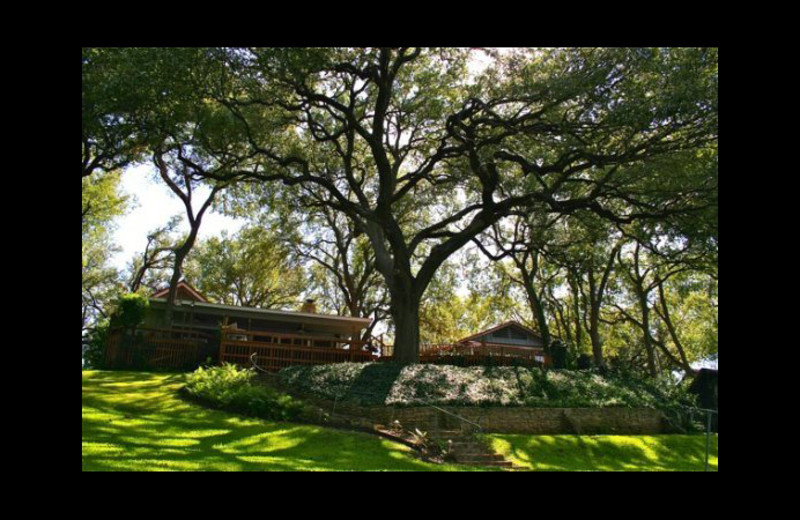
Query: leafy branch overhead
{"points": [[421, 157]]}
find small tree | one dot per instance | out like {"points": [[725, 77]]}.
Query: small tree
{"points": [[131, 310]]}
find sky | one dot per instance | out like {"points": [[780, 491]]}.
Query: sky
{"points": [[153, 206]]}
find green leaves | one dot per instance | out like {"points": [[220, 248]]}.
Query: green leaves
{"points": [[233, 388], [130, 310], [254, 268]]}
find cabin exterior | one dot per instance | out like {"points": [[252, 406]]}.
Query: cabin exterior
{"points": [[201, 331], [195, 312], [509, 343], [510, 333], [512, 339]]}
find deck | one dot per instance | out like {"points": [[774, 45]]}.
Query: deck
{"points": [[186, 349]]}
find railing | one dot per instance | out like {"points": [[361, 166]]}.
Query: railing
{"points": [[464, 420], [709, 415], [157, 349], [273, 351], [475, 354]]}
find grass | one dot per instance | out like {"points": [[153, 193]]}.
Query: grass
{"points": [[135, 422], [607, 452]]}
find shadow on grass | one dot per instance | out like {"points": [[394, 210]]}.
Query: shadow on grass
{"points": [[134, 421], [609, 452]]}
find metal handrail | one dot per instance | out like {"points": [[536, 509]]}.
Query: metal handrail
{"points": [[480, 428], [708, 413], [424, 405]]}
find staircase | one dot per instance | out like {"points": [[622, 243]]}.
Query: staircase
{"points": [[466, 449]]}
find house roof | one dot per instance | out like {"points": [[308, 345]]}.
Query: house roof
{"points": [[498, 327], [343, 322], [183, 284]]}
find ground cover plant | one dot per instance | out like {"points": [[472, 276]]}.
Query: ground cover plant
{"points": [[607, 452], [391, 384], [232, 388], [137, 422]]}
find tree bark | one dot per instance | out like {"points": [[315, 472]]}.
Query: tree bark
{"points": [[684, 361], [538, 313], [405, 313], [534, 300], [649, 348]]}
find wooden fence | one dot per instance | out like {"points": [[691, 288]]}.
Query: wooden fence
{"points": [[276, 351], [475, 354], [147, 348], [185, 349]]}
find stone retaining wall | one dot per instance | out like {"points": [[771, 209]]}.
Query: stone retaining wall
{"points": [[511, 419], [519, 419]]}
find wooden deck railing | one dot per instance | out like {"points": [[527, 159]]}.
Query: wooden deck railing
{"points": [[158, 349], [475, 354], [276, 351]]}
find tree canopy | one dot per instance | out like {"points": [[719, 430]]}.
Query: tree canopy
{"points": [[422, 158]]}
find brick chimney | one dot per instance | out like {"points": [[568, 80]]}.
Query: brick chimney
{"points": [[309, 306]]}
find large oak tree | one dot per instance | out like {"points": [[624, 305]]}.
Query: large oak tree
{"points": [[383, 135]]}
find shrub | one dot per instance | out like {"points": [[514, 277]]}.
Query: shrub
{"points": [[232, 388], [130, 311]]}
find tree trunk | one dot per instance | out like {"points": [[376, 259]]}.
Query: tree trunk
{"points": [[684, 360], [405, 313], [537, 307], [648, 342], [595, 298], [597, 342], [177, 272]]}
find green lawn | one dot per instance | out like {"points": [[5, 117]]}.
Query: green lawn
{"points": [[608, 452], [135, 422]]}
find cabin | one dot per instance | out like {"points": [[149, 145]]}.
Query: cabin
{"points": [[510, 333], [510, 336], [202, 331], [193, 311], [508, 343]]}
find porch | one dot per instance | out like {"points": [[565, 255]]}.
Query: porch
{"points": [[180, 349], [276, 351]]}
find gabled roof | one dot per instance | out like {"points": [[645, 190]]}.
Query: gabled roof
{"points": [[503, 325], [163, 293]]}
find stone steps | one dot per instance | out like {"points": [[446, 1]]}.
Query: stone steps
{"points": [[497, 463], [470, 451]]}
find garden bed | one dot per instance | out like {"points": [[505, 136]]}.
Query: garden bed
{"points": [[389, 384]]}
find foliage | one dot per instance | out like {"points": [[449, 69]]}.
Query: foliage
{"points": [[430, 449], [133, 421], [419, 385], [130, 310], [420, 156], [253, 268], [232, 388], [103, 201], [446, 316], [94, 346]]}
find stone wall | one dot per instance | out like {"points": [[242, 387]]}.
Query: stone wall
{"points": [[510, 419], [521, 419]]}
